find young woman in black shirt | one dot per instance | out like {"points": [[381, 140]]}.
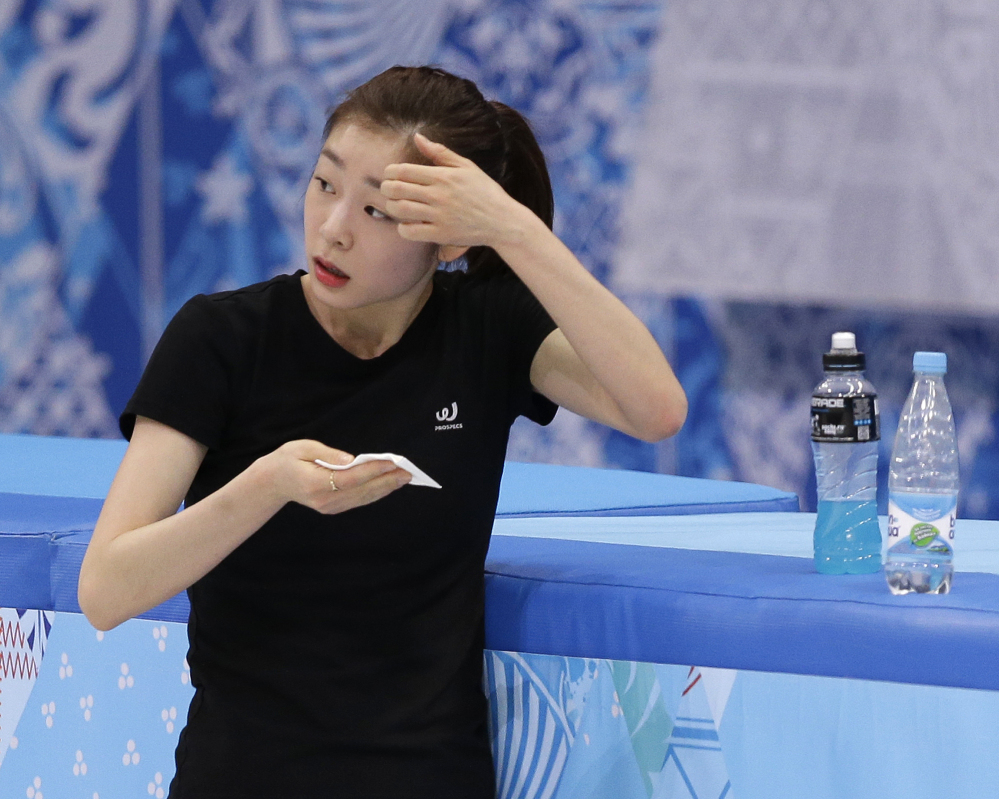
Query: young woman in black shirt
{"points": [[336, 617]]}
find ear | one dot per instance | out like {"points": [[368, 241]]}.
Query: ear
{"points": [[450, 252]]}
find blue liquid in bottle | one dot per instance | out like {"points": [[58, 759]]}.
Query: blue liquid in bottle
{"points": [[847, 537]]}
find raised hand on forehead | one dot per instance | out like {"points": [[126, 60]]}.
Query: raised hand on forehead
{"points": [[449, 202]]}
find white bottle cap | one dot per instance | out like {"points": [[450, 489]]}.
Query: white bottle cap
{"points": [[844, 341]]}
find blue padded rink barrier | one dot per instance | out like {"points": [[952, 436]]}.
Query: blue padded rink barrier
{"points": [[84, 468], [636, 656]]}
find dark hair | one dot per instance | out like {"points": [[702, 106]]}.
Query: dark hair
{"points": [[452, 111]]}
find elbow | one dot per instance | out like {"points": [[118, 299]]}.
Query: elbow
{"points": [[94, 605], [667, 421], [100, 618]]}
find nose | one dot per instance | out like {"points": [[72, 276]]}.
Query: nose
{"points": [[336, 228]]}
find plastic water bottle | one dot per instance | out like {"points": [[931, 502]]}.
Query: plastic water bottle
{"points": [[845, 446], [922, 485]]}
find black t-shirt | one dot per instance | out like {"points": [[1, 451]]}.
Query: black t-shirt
{"points": [[341, 656]]}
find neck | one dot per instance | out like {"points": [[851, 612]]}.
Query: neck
{"points": [[369, 331]]}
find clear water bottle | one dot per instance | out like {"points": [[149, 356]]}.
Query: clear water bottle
{"points": [[845, 446], [922, 485]]}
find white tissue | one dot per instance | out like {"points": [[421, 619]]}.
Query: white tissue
{"points": [[420, 477]]}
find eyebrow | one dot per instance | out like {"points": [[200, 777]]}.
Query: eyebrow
{"points": [[374, 183]]}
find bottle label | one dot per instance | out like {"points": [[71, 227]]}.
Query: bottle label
{"points": [[846, 420], [920, 518]]}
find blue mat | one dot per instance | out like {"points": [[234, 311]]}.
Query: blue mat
{"points": [[84, 468], [58, 467], [42, 543], [29, 528], [541, 489], [655, 604], [735, 610]]}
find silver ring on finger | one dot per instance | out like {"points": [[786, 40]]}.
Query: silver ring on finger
{"points": [[333, 485]]}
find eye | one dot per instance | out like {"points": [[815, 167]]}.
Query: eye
{"points": [[374, 213], [325, 186]]}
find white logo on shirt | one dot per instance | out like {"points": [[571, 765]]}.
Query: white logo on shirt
{"points": [[443, 415], [448, 415]]}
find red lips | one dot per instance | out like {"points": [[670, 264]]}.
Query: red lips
{"points": [[328, 274]]}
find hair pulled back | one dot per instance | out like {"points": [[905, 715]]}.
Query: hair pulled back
{"points": [[452, 111]]}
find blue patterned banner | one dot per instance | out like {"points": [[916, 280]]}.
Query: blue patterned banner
{"points": [[749, 180], [106, 710]]}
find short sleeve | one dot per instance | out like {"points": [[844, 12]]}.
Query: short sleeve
{"points": [[187, 383], [525, 324]]}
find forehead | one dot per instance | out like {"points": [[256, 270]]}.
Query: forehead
{"points": [[365, 147]]}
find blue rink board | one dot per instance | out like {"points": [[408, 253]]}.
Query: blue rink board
{"points": [[84, 468], [541, 490], [666, 602], [735, 610]]}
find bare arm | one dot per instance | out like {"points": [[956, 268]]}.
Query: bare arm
{"points": [[602, 362], [143, 552]]}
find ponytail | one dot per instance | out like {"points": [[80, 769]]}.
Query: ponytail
{"points": [[524, 176]]}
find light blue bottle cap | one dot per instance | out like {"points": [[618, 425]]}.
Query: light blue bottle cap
{"points": [[932, 362]]}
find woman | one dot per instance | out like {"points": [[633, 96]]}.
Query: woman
{"points": [[336, 616]]}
